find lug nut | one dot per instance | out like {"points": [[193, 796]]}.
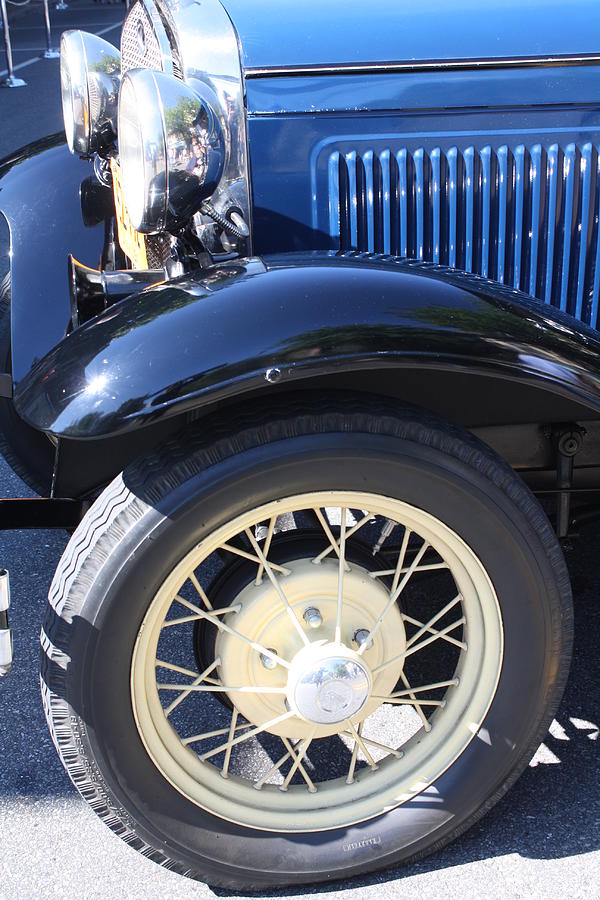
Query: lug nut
{"points": [[313, 617], [268, 661], [361, 635]]}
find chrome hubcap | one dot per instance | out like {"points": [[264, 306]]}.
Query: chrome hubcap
{"points": [[327, 684]]}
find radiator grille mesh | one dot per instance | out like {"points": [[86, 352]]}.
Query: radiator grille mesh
{"points": [[526, 217], [138, 53]]}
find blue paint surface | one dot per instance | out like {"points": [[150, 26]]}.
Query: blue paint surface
{"points": [[496, 173], [423, 90], [337, 31]]}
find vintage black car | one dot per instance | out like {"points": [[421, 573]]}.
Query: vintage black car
{"points": [[303, 349]]}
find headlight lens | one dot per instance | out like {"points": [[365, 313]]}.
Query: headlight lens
{"points": [[171, 149], [90, 71]]}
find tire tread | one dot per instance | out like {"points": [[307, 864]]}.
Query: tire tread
{"points": [[149, 480]]}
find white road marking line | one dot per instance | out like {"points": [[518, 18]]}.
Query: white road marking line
{"points": [[35, 59]]}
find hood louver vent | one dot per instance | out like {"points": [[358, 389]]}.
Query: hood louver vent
{"points": [[526, 217]]}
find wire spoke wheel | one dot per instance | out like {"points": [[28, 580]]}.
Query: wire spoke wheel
{"points": [[305, 643], [354, 655]]}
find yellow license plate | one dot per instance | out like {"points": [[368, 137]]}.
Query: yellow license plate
{"points": [[133, 244]]}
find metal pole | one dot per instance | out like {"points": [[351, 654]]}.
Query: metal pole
{"points": [[51, 52], [10, 81]]}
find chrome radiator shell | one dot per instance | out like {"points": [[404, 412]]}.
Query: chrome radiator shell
{"points": [[196, 42]]}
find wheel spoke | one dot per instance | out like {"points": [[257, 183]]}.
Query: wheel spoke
{"points": [[332, 541], [417, 647], [244, 737], [160, 664], [400, 561], [187, 689], [194, 618], [366, 518], [197, 687], [342, 563], [231, 735], [298, 757], [223, 626], [271, 576], [395, 593], [311, 787], [358, 740], [280, 577], [188, 605], [255, 559], [198, 612], [435, 637], [274, 768], [408, 701], [439, 615], [169, 623], [412, 699], [196, 738], [289, 754], [425, 687], [372, 743], [266, 549], [353, 758], [429, 567], [201, 593], [430, 630]]}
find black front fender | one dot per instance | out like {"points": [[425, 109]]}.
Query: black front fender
{"points": [[40, 199], [246, 324]]}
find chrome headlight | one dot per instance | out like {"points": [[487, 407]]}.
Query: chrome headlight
{"points": [[171, 149], [90, 72]]}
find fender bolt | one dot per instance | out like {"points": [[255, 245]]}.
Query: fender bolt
{"points": [[273, 375]]}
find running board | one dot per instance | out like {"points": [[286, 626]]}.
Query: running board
{"points": [[6, 641], [41, 512]]}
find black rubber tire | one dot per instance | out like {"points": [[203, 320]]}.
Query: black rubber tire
{"points": [[148, 519], [28, 452]]}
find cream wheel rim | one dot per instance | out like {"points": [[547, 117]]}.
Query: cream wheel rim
{"points": [[310, 711]]}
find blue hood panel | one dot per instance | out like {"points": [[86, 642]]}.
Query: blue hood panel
{"points": [[336, 32]]}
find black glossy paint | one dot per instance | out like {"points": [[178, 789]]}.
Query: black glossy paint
{"points": [[40, 198], [246, 324], [41, 512]]}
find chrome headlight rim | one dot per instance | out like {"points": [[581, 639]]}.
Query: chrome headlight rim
{"points": [[142, 151], [74, 90], [171, 149], [90, 74]]}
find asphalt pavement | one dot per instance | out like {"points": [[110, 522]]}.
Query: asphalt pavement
{"points": [[541, 841], [31, 112]]}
